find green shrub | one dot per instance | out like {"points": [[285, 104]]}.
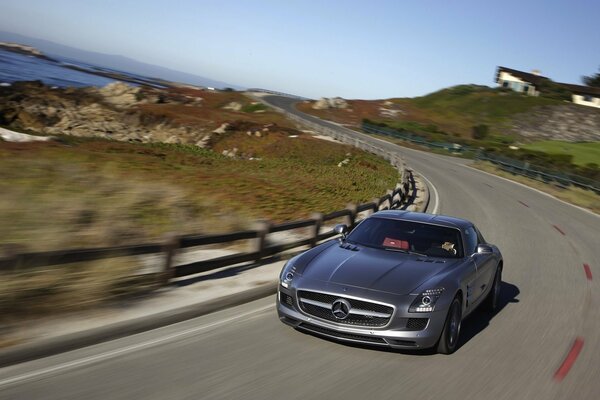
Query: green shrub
{"points": [[250, 108]]}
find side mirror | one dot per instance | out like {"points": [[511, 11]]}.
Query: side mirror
{"points": [[341, 229], [484, 249]]}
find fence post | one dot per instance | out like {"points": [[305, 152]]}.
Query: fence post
{"points": [[169, 247], [318, 217], [398, 192], [352, 217], [263, 228], [377, 202], [391, 198]]}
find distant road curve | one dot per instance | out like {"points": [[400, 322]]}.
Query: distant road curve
{"points": [[543, 344]]}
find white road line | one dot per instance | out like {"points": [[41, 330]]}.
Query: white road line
{"points": [[435, 192], [128, 349], [531, 188]]}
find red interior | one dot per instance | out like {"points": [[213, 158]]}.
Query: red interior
{"points": [[400, 244]]}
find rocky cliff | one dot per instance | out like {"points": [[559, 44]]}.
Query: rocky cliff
{"points": [[110, 112], [569, 122]]}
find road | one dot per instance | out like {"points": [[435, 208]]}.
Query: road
{"points": [[549, 303]]}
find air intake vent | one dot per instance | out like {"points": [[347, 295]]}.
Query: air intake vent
{"points": [[348, 246], [342, 335], [286, 299], [416, 324]]}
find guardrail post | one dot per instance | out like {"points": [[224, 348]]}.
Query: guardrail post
{"points": [[318, 217], [262, 228], [352, 217], [169, 247]]}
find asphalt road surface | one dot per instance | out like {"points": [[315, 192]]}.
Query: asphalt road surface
{"points": [[544, 343]]}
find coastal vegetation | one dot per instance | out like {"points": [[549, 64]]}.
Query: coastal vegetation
{"points": [[215, 170]]}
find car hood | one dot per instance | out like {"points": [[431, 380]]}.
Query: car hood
{"points": [[374, 269]]}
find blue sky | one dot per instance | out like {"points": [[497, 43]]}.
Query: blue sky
{"points": [[353, 49]]}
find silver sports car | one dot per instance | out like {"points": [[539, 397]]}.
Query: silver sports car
{"points": [[399, 279]]}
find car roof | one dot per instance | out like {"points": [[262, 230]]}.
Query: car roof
{"points": [[443, 220]]}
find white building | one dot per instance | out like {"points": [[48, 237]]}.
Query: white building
{"points": [[529, 82], [584, 95]]}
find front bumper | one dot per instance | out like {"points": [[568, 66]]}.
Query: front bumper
{"points": [[392, 335]]}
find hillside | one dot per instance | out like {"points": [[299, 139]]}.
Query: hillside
{"points": [[453, 112], [132, 164]]}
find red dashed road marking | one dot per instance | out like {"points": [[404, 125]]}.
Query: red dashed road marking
{"points": [[523, 203], [568, 362], [560, 230], [588, 272]]}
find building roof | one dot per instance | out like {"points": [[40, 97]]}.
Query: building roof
{"points": [[537, 79], [580, 89], [526, 76]]}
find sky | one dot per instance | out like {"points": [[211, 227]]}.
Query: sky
{"points": [[353, 49]]}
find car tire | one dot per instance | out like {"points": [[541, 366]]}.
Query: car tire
{"points": [[448, 342], [493, 298]]}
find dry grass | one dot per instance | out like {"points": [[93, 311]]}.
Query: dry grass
{"points": [[93, 192], [86, 192], [211, 112], [32, 292]]}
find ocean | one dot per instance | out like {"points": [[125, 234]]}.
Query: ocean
{"points": [[20, 67]]}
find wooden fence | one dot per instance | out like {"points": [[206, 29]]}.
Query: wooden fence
{"points": [[262, 249]]}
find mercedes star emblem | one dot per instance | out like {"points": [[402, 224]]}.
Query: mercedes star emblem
{"points": [[340, 308]]}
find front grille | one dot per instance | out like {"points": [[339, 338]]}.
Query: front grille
{"points": [[363, 313], [341, 335], [286, 299], [416, 324]]}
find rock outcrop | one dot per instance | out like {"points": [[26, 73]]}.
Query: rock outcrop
{"points": [[120, 94], [108, 112], [568, 122], [334, 102], [233, 106]]}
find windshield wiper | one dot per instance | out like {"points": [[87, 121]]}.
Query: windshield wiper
{"points": [[405, 251]]}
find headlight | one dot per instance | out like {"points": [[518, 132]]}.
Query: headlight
{"points": [[287, 274], [425, 302]]}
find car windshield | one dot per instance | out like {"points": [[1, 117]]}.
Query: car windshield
{"points": [[408, 236]]}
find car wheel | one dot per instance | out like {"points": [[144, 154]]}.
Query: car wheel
{"points": [[493, 298], [448, 342]]}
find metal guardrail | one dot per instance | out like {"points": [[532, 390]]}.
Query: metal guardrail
{"points": [[513, 166], [539, 173], [413, 138], [394, 159], [268, 91]]}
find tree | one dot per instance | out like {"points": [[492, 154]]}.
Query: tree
{"points": [[592, 80]]}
